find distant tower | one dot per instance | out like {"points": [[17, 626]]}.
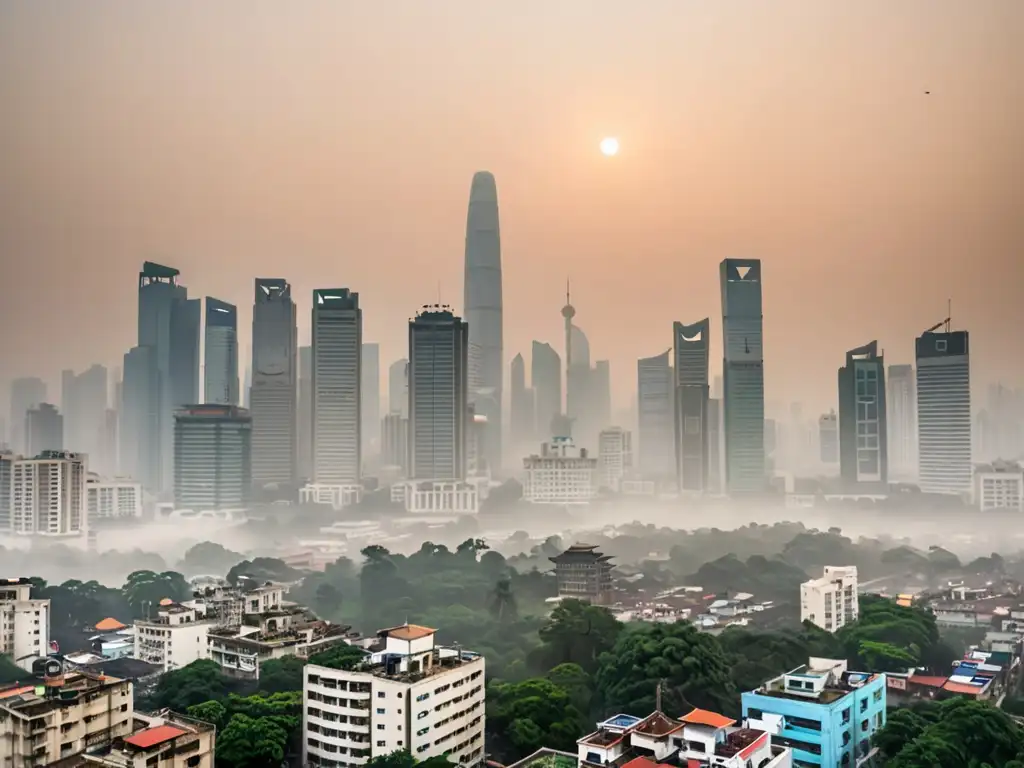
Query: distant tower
{"points": [[863, 446], [691, 350], [568, 312]]}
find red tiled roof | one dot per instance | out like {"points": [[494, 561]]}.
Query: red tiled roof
{"points": [[153, 736], [705, 717], [929, 681], [970, 690], [641, 762]]}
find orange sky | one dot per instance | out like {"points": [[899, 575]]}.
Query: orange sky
{"points": [[333, 143]]}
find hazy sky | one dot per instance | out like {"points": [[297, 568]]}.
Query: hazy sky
{"points": [[333, 143]]}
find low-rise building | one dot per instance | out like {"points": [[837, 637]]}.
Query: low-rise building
{"points": [[334, 496], [410, 694], [111, 499], [561, 474], [456, 497], [831, 602], [174, 639], [583, 573], [24, 623], [999, 485], [166, 739]]}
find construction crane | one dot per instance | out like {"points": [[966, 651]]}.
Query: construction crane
{"points": [[945, 324]]}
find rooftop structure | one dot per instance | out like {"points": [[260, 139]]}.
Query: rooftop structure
{"points": [[167, 738], [583, 573]]}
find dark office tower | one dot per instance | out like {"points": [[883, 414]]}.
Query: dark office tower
{"points": [[304, 433], [483, 306], [901, 418], [691, 351], [220, 361], [44, 430], [521, 410], [743, 379], [438, 404], [863, 438], [369, 392], [654, 417], [398, 387], [139, 419], [337, 376], [828, 437], [273, 393], [212, 457], [395, 440], [714, 445], [546, 382], [84, 406], [26, 394], [944, 412]]}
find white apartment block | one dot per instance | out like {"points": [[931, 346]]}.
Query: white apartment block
{"points": [[24, 623], [999, 485], [614, 457], [561, 474], [108, 499], [455, 497], [831, 602], [174, 639], [48, 495], [410, 694]]}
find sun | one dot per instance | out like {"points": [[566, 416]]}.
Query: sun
{"points": [[609, 146]]}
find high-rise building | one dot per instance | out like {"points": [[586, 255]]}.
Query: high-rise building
{"points": [[7, 460], [138, 425], [614, 457], [561, 474], [521, 410], [901, 418], [26, 393], [84, 408], [944, 412], [337, 379], [743, 369], [220, 361], [483, 306], [831, 602], [828, 437], [273, 395], [212, 457], [398, 387], [546, 382], [600, 395], [369, 392], [863, 446], [715, 446], [26, 637], [304, 431], [654, 417], [395, 440], [48, 495], [438, 384], [44, 430], [691, 350]]}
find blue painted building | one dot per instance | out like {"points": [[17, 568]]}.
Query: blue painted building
{"points": [[826, 714]]}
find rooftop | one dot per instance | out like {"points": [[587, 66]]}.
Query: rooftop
{"points": [[153, 736], [706, 717], [658, 725], [547, 758], [738, 740], [407, 632]]}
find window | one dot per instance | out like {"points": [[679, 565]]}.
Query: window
{"points": [[380, 710], [421, 715], [380, 694], [381, 743], [380, 726], [754, 713], [877, 695], [940, 345], [423, 697]]}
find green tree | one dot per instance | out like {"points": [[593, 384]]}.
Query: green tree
{"points": [[523, 717], [576, 633], [574, 681], [281, 675], [196, 683], [145, 589], [401, 758], [345, 657], [210, 712], [261, 570], [207, 557], [251, 743]]}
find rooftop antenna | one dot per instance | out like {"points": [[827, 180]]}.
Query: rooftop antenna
{"points": [[949, 314]]}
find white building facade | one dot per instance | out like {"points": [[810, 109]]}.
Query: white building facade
{"points": [[614, 457], [107, 499], [48, 495], [561, 474], [831, 602], [999, 485], [174, 639], [24, 623]]}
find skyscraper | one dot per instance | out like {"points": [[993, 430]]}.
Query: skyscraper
{"points": [[863, 446], [654, 417], [273, 394], [220, 360], [546, 381], [139, 419], [84, 407], [521, 410], [743, 375], [337, 379], [369, 392], [212, 457], [398, 387], [304, 429], [438, 405], [691, 347], [44, 430], [26, 393], [901, 415], [944, 411], [483, 307], [48, 495], [828, 437]]}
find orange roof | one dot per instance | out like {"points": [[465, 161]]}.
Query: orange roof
{"points": [[409, 632], [970, 690], [153, 736], [641, 762], [166, 601], [705, 717], [109, 624], [16, 691], [929, 681]]}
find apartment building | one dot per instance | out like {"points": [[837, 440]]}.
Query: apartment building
{"points": [[561, 474], [108, 499], [831, 602], [999, 485], [166, 739], [410, 694], [174, 639], [24, 623]]}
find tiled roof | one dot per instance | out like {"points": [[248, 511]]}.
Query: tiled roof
{"points": [[409, 632], [641, 762], [970, 690], [929, 681], [153, 736], [657, 724], [109, 624], [708, 718]]}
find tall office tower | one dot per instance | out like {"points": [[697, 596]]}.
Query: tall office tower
{"points": [[600, 399], [743, 369], [828, 437], [48, 495], [247, 386], [7, 460], [614, 457], [944, 411], [44, 430], [304, 431], [273, 395], [901, 415], [395, 440], [546, 382], [26, 393], [369, 392], [655, 430], [438, 402], [220, 360], [84, 407], [139, 420], [398, 387], [337, 379], [863, 439], [715, 446], [521, 410], [691, 351], [212, 457], [483, 307]]}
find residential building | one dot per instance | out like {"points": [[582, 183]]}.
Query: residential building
{"points": [[451, 497], [220, 361], [438, 394], [828, 437], [174, 638], [999, 485], [655, 430], [26, 394], [6, 475], [44, 429], [826, 714], [743, 370], [48, 495], [369, 394], [546, 383], [831, 602], [692, 356], [410, 694], [212, 457], [901, 418], [863, 440], [112, 499], [164, 738], [614, 457], [944, 412], [560, 474], [583, 573], [24, 623], [337, 379], [398, 387]]}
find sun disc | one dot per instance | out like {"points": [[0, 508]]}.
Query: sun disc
{"points": [[609, 146]]}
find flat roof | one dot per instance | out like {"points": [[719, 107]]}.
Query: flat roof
{"points": [[153, 736]]}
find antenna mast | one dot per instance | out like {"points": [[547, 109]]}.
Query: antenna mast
{"points": [[949, 315]]}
